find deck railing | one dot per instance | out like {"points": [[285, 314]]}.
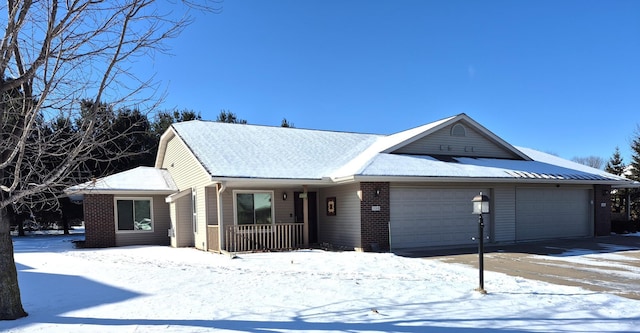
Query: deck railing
{"points": [[263, 237]]}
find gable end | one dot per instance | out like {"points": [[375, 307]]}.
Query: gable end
{"points": [[458, 139]]}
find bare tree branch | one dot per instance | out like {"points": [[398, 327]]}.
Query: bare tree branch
{"points": [[60, 61]]}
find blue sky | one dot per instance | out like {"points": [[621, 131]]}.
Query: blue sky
{"points": [[557, 76]]}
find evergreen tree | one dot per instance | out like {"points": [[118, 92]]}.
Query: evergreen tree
{"points": [[164, 119], [227, 116], [286, 123], [634, 174], [615, 164], [635, 156]]}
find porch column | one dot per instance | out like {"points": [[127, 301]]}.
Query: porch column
{"points": [[220, 189], [305, 213]]}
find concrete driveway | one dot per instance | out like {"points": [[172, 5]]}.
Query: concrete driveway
{"points": [[604, 264]]}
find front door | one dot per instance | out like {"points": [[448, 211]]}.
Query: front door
{"points": [[313, 214]]}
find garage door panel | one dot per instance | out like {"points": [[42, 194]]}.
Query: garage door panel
{"points": [[544, 213], [432, 217]]}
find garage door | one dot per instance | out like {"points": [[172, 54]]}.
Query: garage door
{"points": [[432, 217], [545, 213]]}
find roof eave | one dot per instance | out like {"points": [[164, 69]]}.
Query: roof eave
{"points": [[278, 182], [505, 180], [162, 146], [119, 192]]}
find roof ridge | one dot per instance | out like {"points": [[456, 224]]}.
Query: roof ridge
{"points": [[182, 123]]}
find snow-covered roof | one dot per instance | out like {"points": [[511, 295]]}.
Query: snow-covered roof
{"points": [[250, 151], [262, 152], [541, 168], [138, 180]]}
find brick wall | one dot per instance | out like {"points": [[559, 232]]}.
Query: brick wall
{"points": [[374, 212], [99, 221], [602, 215]]}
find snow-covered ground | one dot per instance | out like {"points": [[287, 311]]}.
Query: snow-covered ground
{"points": [[153, 288]]}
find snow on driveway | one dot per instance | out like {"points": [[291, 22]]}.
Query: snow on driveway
{"points": [[152, 288]]}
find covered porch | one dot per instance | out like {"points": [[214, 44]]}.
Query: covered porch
{"points": [[275, 219]]}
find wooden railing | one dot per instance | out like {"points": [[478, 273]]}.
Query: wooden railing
{"points": [[263, 237]]}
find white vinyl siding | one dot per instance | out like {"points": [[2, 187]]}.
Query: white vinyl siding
{"points": [[474, 144], [344, 228], [553, 212], [431, 217], [187, 172], [185, 169]]}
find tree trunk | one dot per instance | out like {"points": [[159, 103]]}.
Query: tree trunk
{"points": [[65, 222], [10, 303]]}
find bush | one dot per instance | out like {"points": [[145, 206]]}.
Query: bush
{"points": [[624, 227]]}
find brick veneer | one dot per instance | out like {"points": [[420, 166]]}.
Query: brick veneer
{"points": [[374, 224], [99, 221], [602, 214]]}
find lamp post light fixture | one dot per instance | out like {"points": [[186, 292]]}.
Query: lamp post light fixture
{"points": [[481, 206]]}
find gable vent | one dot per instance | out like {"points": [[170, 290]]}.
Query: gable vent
{"points": [[458, 130]]}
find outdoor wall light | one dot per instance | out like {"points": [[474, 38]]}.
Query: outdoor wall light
{"points": [[284, 195], [377, 192], [481, 206]]}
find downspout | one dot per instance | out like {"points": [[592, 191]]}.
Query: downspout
{"points": [[221, 188]]}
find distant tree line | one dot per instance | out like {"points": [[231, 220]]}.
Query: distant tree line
{"points": [[135, 139]]}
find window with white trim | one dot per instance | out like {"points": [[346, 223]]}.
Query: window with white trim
{"points": [[134, 214], [254, 207]]}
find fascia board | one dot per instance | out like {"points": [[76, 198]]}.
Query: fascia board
{"points": [[273, 182], [438, 125], [172, 197], [421, 132], [120, 192], [162, 145], [480, 180], [494, 137], [190, 152]]}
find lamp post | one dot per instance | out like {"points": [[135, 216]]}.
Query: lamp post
{"points": [[481, 206]]}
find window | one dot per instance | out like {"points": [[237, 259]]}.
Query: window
{"points": [[458, 130], [133, 215], [254, 208]]}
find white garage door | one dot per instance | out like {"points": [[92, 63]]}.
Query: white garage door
{"points": [[432, 217], [545, 213]]}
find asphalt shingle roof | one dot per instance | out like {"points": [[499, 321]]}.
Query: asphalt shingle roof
{"points": [[137, 179], [250, 151]]}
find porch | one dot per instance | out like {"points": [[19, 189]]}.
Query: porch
{"points": [[256, 237]]}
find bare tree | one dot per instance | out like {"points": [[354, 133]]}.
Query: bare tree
{"points": [[56, 54], [592, 161]]}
